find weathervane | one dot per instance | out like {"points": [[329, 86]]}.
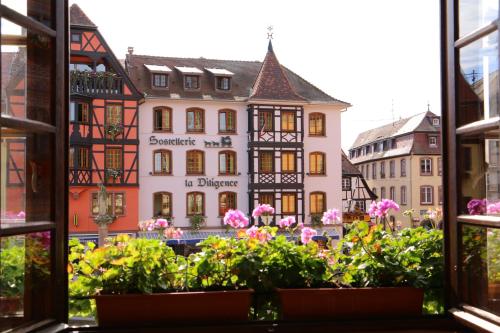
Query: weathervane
{"points": [[270, 32]]}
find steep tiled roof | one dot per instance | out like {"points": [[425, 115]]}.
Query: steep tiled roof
{"points": [[245, 74], [417, 123], [348, 168], [78, 17], [272, 83]]}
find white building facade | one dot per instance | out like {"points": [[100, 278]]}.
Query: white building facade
{"points": [[218, 135]]}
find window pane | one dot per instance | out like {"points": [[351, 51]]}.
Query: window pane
{"points": [[477, 80], [26, 90], [474, 14], [480, 267], [25, 284]]}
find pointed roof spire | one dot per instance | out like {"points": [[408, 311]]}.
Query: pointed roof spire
{"points": [[78, 17], [272, 82]]}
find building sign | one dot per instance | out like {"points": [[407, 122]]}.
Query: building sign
{"points": [[153, 140], [211, 182], [225, 142]]}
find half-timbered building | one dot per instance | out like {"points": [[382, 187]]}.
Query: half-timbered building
{"points": [[222, 134], [103, 131]]}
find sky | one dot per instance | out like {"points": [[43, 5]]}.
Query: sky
{"points": [[380, 56]]}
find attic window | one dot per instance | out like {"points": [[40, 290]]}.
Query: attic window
{"points": [[191, 82], [223, 83], [159, 75], [160, 80], [435, 121]]}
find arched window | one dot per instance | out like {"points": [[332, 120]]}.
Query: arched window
{"points": [[227, 200], [317, 163], [162, 162], [227, 121], [195, 204], [162, 119], [227, 162], [195, 162], [317, 124], [195, 120], [317, 202], [162, 204]]}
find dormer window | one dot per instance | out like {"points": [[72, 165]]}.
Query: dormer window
{"points": [[159, 75], [223, 83], [435, 122], [191, 82], [160, 80], [432, 141]]}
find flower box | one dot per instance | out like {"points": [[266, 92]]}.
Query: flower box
{"points": [[350, 303], [156, 309]]}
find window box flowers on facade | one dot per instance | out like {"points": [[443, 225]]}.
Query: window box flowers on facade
{"points": [[113, 130], [113, 173]]}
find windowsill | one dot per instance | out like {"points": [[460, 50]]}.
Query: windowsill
{"points": [[160, 88], [227, 133], [426, 174], [196, 132], [195, 174], [160, 174], [316, 136], [317, 175], [162, 131], [228, 174]]}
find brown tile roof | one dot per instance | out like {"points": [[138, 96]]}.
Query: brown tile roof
{"points": [[417, 123], [78, 17], [348, 168], [272, 83], [245, 74]]}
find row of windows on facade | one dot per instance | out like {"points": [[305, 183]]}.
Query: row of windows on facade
{"points": [[195, 119], [426, 168], [79, 158], [386, 145], [195, 203], [191, 82], [426, 194]]}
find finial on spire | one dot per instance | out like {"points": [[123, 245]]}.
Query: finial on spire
{"points": [[428, 107], [270, 32]]}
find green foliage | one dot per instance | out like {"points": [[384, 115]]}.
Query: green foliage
{"points": [[11, 268], [196, 222], [372, 257], [316, 220]]}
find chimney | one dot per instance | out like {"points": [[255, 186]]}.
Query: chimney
{"points": [[130, 50]]}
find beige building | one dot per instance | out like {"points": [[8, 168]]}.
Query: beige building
{"points": [[401, 161]]}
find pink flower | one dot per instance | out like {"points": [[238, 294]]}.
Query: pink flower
{"points": [[381, 208], [307, 235], [252, 231], [235, 218], [493, 208], [300, 225], [331, 216], [173, 233], [147, 225], [263, 209], [161, 224], [21, 214], [286, 222]]}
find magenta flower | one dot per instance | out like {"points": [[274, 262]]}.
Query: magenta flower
{"points": [[286, 222], [21, 214], [161, 224], [263, 209], [236, 219], [307, 234], [300, 225], [477, 206], [373, 209], [331, 216], [252, 231]]}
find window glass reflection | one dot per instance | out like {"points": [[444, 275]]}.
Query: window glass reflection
{"points": [[474, 14], [478, 81]]}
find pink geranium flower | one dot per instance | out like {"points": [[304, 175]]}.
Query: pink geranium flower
{"points": [[286, 222], [172, 233], [307, 235], [331, 216], [161, 223], [263, 209], [262, 235], [493, 208], [21, 214], [235, 219], [381, 208]]}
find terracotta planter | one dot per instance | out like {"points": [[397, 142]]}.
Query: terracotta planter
{"points": [[329, 303], [154, 309], [10, 305]]}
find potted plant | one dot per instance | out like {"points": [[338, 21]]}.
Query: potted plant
{"points": [[137, 281], [12, 256], [196, 222], [265, 212], [113, 130]]}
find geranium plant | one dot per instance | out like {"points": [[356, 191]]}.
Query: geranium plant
{"points": [[264, 211]]}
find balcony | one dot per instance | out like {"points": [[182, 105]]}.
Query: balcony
{"points": [[95, 83]]}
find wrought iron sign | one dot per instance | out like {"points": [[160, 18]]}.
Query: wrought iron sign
{"points": [[225, 142]]}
